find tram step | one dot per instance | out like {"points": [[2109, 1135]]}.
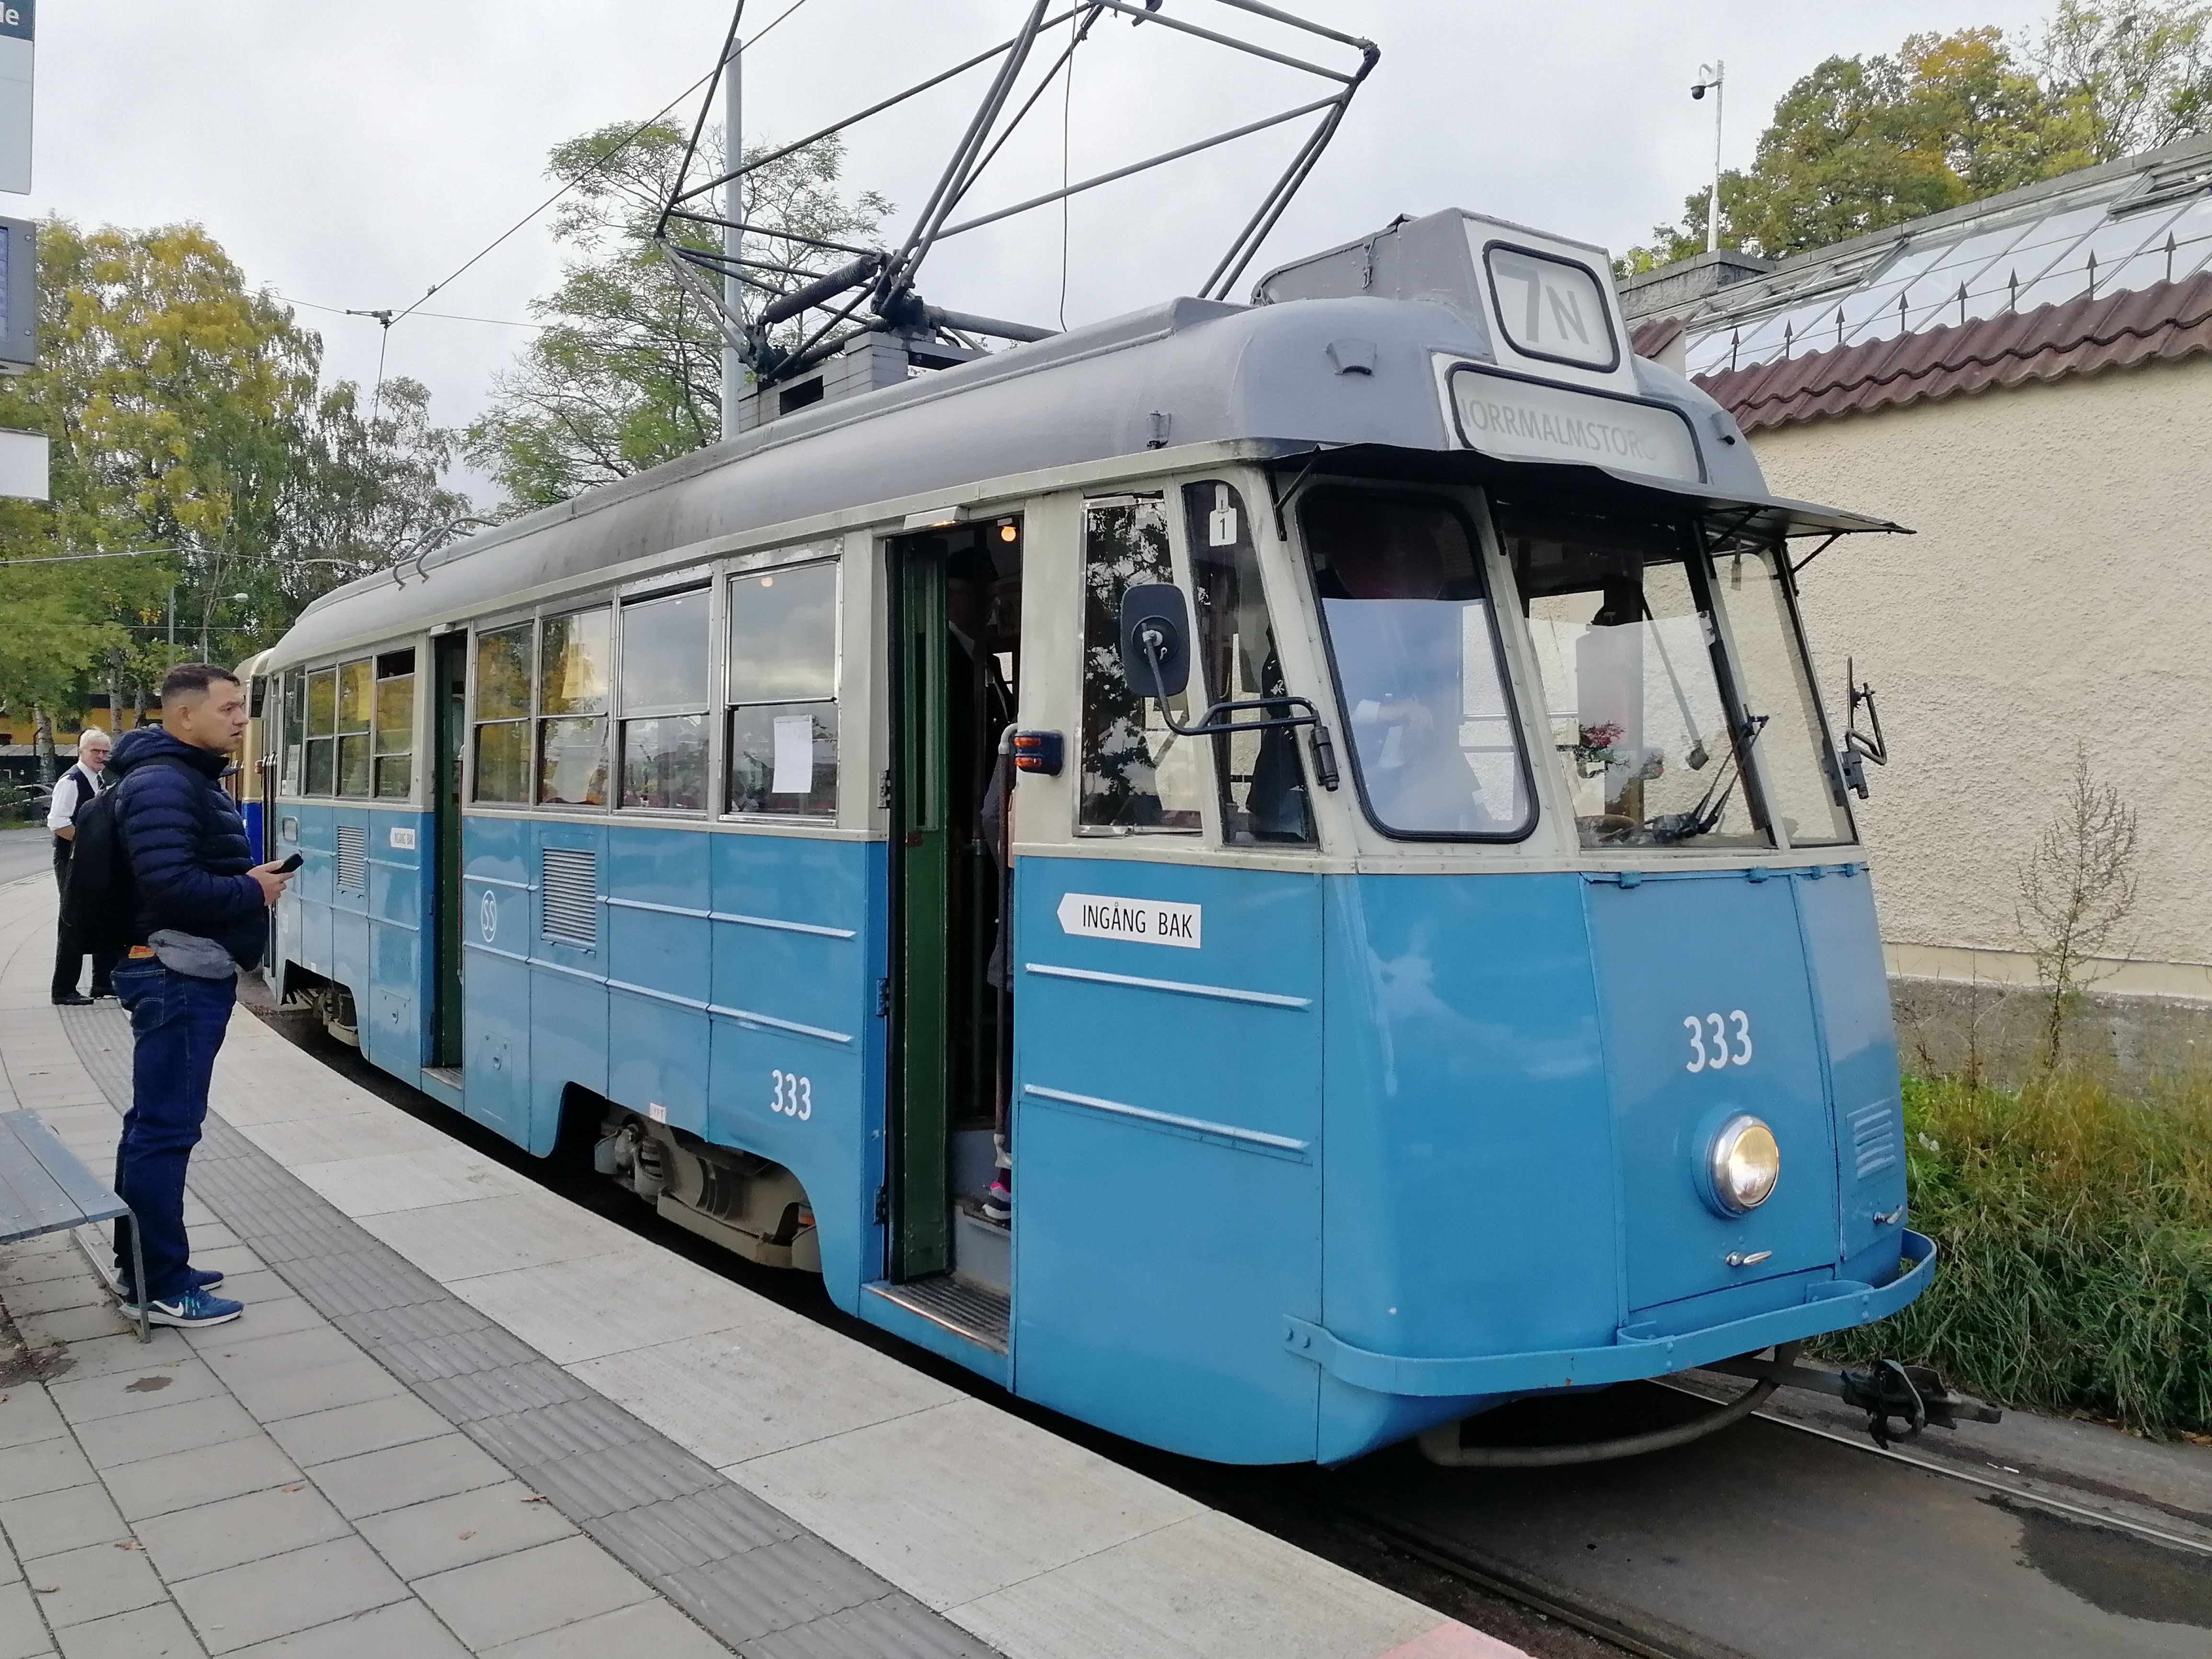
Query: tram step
{"points": [[967, 1311]]}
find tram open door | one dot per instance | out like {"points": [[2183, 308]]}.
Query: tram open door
{"points": [[954, 650]]}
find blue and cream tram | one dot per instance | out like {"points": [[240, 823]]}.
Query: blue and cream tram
{"points": [[1325, 798]]}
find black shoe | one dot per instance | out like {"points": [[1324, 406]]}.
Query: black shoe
{"points": [[103, 994], [71, 1000]]}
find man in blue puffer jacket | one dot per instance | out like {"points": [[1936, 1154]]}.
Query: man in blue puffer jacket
{"points": [[203, 908]]}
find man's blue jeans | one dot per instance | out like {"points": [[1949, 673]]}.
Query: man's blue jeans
{"points": [[178, 1023]]}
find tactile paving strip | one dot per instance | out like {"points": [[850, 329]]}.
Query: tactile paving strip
{"points": [[757, 1579]]}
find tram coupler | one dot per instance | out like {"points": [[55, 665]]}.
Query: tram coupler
{"points": [[1899, 1400]]}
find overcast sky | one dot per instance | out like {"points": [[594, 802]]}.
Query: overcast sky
{"points": [[351, 155]]}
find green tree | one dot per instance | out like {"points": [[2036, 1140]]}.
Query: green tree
{"points": [[627, 371], [1862, 143], [185, 414]]}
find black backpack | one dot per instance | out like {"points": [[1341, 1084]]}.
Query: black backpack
{"points": [[99, 900]]}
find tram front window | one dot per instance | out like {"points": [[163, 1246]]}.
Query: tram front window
{"points": [[1633, 696], [1415, 650]]}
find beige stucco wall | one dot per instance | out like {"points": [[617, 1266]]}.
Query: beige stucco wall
{"points": [[2060, 586]]}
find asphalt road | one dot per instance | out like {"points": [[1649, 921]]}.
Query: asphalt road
{"points": [[24, 852]]}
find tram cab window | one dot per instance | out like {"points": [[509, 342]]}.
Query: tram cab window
{"points": [[322, 726], [1138, 776], [1414, 644], [664, 689], [575, 655], [295, 756], [782, 689], [1628, 656], [1794, 760], [501, 764], [1262, 783], [395, 725]]}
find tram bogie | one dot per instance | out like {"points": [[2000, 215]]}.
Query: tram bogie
{"points": [[1460, 980]]}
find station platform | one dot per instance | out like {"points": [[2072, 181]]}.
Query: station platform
{"points": [[463, 1415]]}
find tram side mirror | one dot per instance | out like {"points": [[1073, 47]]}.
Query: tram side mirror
{"points": [[1156, 640], [1861, 746]]}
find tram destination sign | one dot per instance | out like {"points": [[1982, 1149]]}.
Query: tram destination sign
{"points": [[1519, 420], [1138, 922]]}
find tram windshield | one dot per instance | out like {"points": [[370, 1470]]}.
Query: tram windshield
{"points": [[1414, 645], [1629, 660]]}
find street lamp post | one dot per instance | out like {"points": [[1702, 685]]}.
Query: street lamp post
{"points": [[1710, 78]]}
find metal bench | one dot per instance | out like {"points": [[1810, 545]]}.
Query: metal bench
{"points": [[45, 1188]]}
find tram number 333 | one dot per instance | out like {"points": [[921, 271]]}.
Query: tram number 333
{"points": [[1709, 1035], [791, 1094]]}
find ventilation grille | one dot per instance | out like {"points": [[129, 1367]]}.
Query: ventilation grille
{"points": [[353, 858], [569, 884], [1873, 1138]]}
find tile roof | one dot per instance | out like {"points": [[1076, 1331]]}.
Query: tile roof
{"points": [[2165, 320]]}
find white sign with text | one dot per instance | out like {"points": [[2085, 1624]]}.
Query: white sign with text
{"points": [[1138, 922]]}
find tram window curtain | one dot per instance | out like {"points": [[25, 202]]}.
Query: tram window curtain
{"points": [[664, 690], [322, 729], [574, 657], [395, 725], [1137, 777], [1261, 781], [782, 687], [501, 764], [295, 752]]}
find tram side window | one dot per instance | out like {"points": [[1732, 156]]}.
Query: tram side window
{"points": [[295, 753], [663, 701], [395, 724], [502, 715], [1138, 776], [322, 729], [783, 691], [576, 652], [1263, 786], [354, 704]]}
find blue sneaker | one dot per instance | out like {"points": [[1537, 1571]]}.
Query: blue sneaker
{"points": [[194, 1308], [205, 1278]]}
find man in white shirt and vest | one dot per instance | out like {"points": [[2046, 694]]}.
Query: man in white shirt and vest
{"points": [[77, 786]]}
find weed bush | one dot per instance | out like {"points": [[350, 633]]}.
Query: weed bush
{"points": [[2075, 1227]]}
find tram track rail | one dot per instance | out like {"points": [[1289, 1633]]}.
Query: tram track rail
{"points": [[1370, 1526]]}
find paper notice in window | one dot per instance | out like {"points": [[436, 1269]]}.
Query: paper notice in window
{"points": [[794, 756]]}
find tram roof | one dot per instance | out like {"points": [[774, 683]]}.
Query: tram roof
{"points": [[1261, 377]]}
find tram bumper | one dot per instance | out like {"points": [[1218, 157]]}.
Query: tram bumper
{"points": [[1828, 1305]]}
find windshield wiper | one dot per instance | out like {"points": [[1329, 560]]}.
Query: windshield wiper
{"points": [[1670, 827]]}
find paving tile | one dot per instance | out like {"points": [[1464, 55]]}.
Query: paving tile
{"points": [[41, 1466], [742, 1393], [82, 1289], [27, 1412], [470, 1526], [906, 1492], [113, 1441], [262, 1600], [576, 1310], [22, 1634], [402, 1475], [73, 1325], [92, 1583], [111, 1354], [1206, 1587], [512, 1596], [648, 1627], [347, 1431], [340, 1135], [231, 1258], [402, 1629], [250, 1357], [408, 1181], [94, 1399], [65, 1520], [275, 1398], [157, 1633], [186, 1543], [208, 1234], [204, 1475], [483, 1235], [278, 1313], [20, 1270], [11, 1569]]}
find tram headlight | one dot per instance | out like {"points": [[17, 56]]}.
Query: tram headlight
{"points": [[1742, 1164]]}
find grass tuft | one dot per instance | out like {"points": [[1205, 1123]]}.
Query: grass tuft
{"points": [[2076, 1226]]}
